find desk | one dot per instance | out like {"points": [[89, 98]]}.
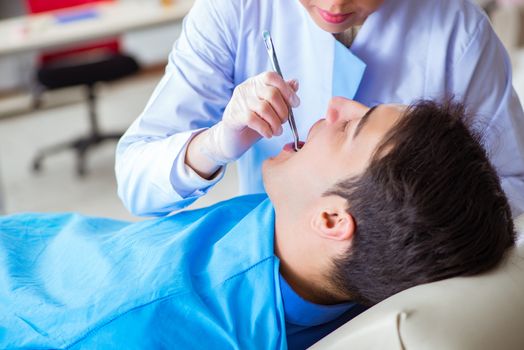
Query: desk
{"points": [[43, 31]]}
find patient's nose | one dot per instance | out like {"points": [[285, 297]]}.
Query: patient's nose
{"points": [[332, 115], [341, 108]]}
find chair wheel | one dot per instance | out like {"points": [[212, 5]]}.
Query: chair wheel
{"points": [[37, 166]]}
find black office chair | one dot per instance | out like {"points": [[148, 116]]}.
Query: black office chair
{"points": [[86, 65], [87, 69]]}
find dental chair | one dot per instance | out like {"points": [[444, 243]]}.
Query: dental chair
{"points": [[85, 65], [484, 312]]}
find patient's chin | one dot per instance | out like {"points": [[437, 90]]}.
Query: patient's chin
{"points": [[270, 178]]}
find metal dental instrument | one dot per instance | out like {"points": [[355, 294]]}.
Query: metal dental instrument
{"points": [[274, 62]]}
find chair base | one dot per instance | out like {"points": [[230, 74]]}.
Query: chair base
{"points": [[82, 70], [80, 146]]}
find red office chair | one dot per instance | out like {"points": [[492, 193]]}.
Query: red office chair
{"points": [[85, 65]]}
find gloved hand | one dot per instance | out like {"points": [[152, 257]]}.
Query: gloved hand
{"points": [[258, 108]]}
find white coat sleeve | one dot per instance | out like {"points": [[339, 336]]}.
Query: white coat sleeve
{"points": [[192, 95], [482, 76]]}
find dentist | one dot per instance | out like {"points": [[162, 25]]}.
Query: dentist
{"points": [[219, 102]]}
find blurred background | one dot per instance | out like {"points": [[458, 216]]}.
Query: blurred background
{"points": [[63, 104]]}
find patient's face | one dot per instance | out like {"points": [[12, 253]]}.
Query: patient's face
{"points": [[337, 147]]}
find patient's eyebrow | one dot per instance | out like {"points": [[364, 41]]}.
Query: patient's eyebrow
{"points": [[363, 121]]}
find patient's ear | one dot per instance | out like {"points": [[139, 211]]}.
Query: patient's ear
{"points": [[332, 221]]}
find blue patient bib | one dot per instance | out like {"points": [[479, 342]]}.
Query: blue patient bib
{"points": [[206, 278]]}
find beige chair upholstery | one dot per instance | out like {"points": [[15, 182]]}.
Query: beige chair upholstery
{"points": [[471, 313]]}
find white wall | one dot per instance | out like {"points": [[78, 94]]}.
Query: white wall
{"points": [[16, 71], [152, 46]]}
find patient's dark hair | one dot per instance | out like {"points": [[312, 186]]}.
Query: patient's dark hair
{"points": [[429, 206]]}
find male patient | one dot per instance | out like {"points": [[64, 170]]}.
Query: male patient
{"points": [[377, 201]]}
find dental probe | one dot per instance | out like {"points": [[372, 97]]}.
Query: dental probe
{"points": [[276, 67]]}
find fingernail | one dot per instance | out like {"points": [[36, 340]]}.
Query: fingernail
{"points": [[295, 101], [279, 131]]}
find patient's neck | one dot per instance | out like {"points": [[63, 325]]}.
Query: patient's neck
{"points": [[299, 266], [307, 289]]}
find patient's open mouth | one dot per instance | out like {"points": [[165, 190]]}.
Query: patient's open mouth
{"points": [[290, 147]]}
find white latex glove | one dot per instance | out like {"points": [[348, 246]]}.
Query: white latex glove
{"points": [[258, 108]]}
